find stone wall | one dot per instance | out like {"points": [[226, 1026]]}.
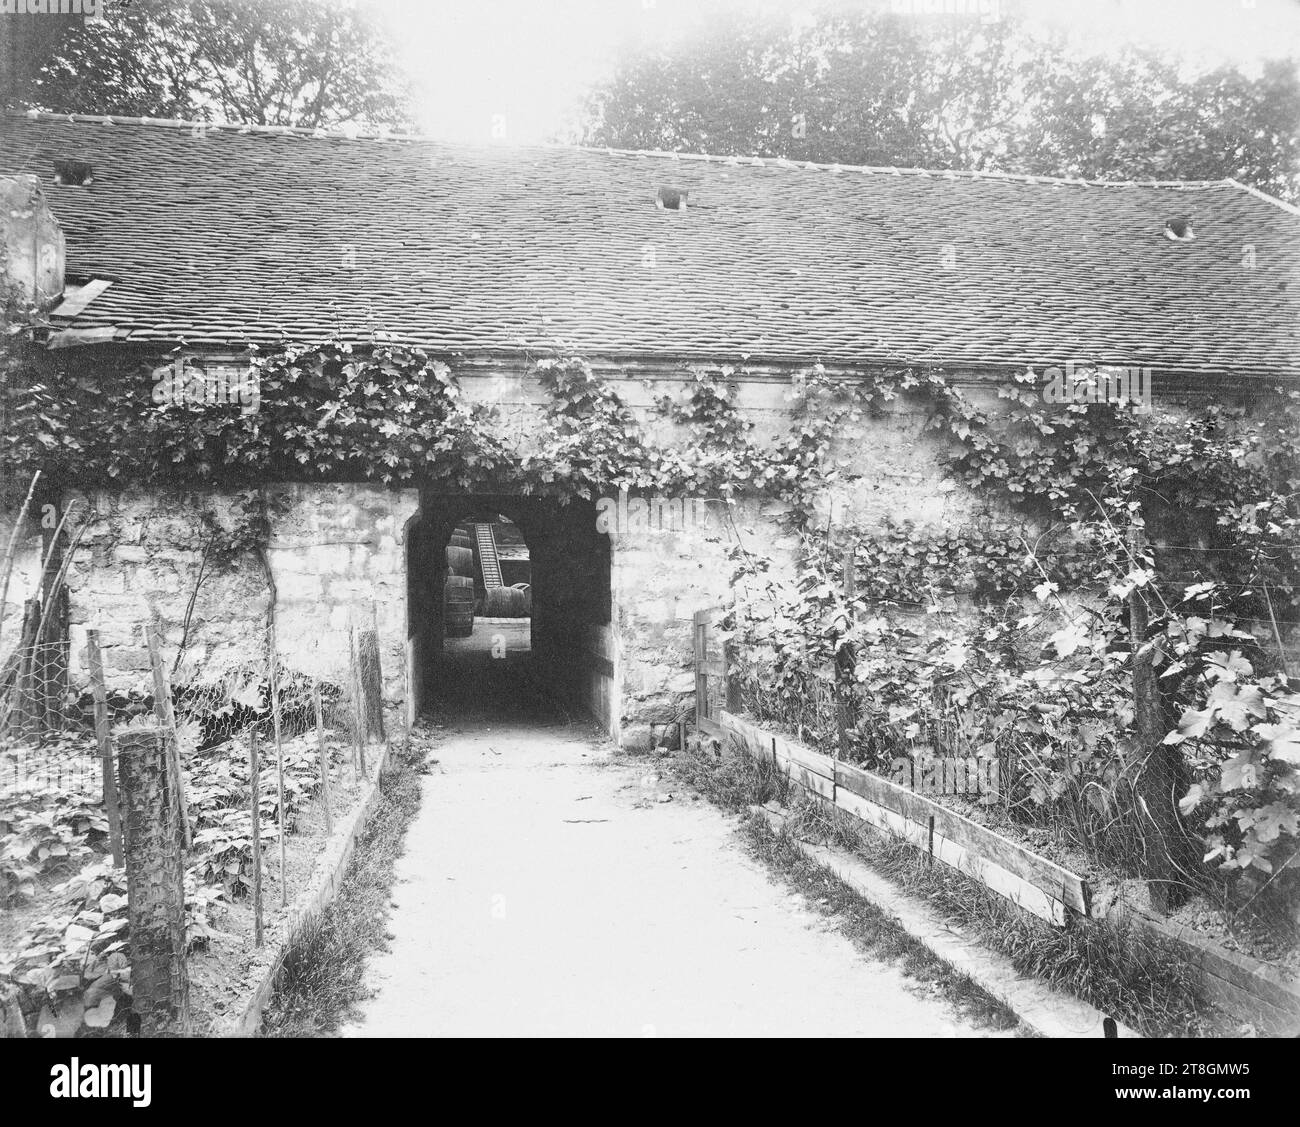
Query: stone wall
{"points": [[335, 553], [661, 577], [338, 552], [338, 555]]}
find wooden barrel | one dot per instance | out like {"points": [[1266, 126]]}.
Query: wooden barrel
{"points": [[460, 538], [505, 602], [460, 561], [458, 606]]}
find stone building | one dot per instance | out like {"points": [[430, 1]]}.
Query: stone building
{"points": [[158, 242]]}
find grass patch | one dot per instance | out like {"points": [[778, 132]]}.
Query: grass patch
{"points": [[731, 779], [323, 976], [1124, 971], [735, 782], [871, 930]]}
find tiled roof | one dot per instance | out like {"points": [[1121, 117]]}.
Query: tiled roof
{"points": [[221, 236]]}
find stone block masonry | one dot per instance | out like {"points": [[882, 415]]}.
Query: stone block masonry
{"points": [[336, 555], [661, 577]]}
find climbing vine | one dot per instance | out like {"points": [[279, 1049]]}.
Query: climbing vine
{"points": [[325, 412], [1211, 497]]}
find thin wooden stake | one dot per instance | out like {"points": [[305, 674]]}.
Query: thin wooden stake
{"points": [[324, 756], [23, 700], [162, 706], [842, 697], [359, 704], [105, 741], [1277, 634], [255, 786], [406, 699], [8, 566], [279, 763], [1156, 783]]}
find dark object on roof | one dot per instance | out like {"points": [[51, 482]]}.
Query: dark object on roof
{"points": [[671, 199], [236, 234], [1180, 229], [76, 172]]}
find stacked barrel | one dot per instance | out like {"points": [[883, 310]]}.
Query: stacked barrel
{"points": [[508, 602], [458, 589]]}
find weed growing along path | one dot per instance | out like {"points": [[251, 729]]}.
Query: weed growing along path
{"points": [[548, 888], [324, 974]]}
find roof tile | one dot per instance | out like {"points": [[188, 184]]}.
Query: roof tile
{"points": [[250, 233]]}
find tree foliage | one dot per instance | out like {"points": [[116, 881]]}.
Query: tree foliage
{"points": [[300, 62], [881, 89]]}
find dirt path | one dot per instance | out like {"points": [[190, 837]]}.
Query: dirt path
{"points": [[547, 890]]}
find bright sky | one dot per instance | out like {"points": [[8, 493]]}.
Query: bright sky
{"points": [[476, 62]]}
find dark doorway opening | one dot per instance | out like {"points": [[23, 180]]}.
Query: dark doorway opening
{"points": [[535, 577]]}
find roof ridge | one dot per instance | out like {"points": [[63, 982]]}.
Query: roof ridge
{"points": [[1289, 208], [321, 133], [891, 170], [318, 132]]}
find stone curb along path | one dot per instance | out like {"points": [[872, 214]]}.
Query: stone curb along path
{"points": [[327, 876], [1041, 1010]]}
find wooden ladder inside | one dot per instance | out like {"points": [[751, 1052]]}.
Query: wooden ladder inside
{"points": [[487, 555]]}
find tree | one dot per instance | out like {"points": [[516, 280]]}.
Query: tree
{"points": [[881, 89], [300, 62]]}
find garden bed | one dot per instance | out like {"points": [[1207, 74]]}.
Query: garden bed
{"points": [[63, 931]]}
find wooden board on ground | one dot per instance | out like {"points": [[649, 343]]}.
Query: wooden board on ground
{"points": [[752, 738], [1032, 882], [1244, 987], [806, 758], [810, 780], [1057, 882]]}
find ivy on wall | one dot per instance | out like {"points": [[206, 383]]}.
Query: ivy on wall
{"points": [[1219, 486]]}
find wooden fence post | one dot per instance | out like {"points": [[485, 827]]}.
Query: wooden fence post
{"points": [[843, 700], [701, 682], [372, 684], [255, 787], [274, 690], [155, 876], [324, 756], [162, 706], [407, 702], [105, 741], [358, 705]]}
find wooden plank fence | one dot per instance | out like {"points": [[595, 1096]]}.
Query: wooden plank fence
{"points": [[1032, 882], [710, 674]]}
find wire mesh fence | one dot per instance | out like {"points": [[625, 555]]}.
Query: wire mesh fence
{"points": [[47, 727], [43, 737], [177, 793]]}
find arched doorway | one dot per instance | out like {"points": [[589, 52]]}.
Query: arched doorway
{"points": [[540, 574]]}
